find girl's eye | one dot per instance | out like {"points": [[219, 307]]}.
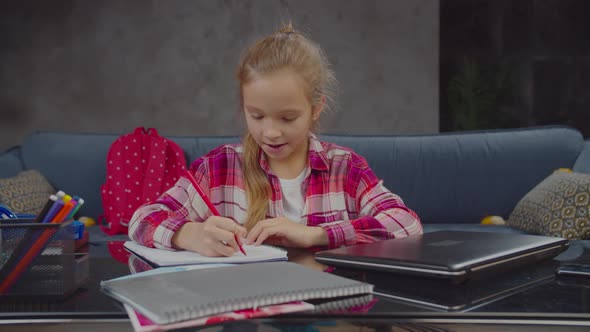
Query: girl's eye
{"points": [[256, 117], [289, 119]]}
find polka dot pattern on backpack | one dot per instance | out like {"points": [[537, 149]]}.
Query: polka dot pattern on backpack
{"points": [[140, 167]]}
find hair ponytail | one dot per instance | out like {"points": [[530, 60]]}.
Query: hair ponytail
{"points": [[286, 29], [258, 188]]}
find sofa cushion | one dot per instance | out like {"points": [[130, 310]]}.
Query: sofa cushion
{"points": [[25, 193], [461, 177], [10, 163], [558, 206], [582, 164], [202, 145], [74, 163]]}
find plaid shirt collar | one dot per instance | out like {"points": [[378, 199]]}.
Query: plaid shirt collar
{"points": [[318, 159]]}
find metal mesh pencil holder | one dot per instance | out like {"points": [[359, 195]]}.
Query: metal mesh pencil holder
{"points": [[38, 260]]}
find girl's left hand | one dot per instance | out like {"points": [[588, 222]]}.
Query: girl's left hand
{"points": [[284, 232]]}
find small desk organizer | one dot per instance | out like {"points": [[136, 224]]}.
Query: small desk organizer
{"points": [[38, 260]]}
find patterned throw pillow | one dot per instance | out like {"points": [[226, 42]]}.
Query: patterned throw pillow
{"points": [[25, 193], [558, 206]]}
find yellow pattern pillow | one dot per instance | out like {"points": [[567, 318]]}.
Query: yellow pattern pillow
{"points": [[558, 206], [25, 193]]}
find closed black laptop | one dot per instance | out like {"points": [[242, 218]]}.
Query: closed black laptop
{"points": [[455, 255]]}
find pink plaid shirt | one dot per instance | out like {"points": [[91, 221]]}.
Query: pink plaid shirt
{"points": [[342, 195]]}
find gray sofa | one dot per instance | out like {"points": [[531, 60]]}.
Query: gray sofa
{"points": [[452, 180]]}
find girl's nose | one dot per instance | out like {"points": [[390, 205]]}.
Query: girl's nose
{"points": [[272, 132]]}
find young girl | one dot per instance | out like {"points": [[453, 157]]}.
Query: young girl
{"points": [[281, 186]]}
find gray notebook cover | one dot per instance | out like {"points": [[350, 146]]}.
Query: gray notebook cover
{"points": [[173, 297]]}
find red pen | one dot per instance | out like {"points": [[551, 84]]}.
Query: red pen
{"points": [[191, 178]]}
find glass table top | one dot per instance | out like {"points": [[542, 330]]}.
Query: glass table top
{"points": [[532, 292]]}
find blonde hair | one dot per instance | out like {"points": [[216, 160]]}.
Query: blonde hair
{"points": [[284, 49]]}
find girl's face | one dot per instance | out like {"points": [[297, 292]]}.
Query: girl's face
{"points": [[279, 116]]}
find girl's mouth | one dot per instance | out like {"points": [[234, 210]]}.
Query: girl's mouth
{"points": [[276, 147]]}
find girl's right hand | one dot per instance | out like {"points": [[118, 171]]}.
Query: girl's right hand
{"points": [[213, 237]]}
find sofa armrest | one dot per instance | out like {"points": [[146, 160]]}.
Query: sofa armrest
{"points": [[10, 162], [582, 164]]}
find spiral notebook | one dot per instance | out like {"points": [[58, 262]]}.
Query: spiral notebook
{"points": [[178, 296]]}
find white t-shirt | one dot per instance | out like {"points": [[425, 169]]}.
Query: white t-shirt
{"points": [[293, 202]]}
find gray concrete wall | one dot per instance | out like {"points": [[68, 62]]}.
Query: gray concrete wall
{"points": [[109, 66]]}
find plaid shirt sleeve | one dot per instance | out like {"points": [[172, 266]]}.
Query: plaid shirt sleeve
{"points": [[383, 215], [153, 224]]}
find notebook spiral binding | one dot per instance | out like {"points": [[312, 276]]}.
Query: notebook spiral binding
{"points": [[180, 313], [354, 303]]}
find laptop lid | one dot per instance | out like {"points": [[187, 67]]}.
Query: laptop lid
{"points": [[446, 254]]}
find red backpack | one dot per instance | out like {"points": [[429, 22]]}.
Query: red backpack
{"points": [[140, 167]]}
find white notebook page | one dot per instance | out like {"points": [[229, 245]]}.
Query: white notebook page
{"points": [[162, 257]]}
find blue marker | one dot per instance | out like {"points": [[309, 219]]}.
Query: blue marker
{"points": [[55, 208]]}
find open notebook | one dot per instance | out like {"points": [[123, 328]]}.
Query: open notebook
{"points": [[184, 295], [162, 257]]}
